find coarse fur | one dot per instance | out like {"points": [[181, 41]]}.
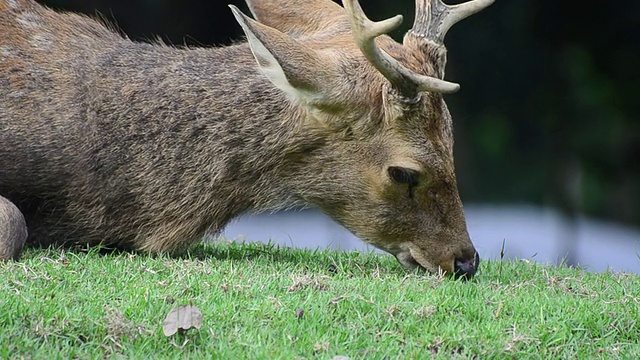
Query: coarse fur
{"points": [[149, 147]]}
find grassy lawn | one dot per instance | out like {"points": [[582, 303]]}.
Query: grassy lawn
{"points": [[264, 302]]}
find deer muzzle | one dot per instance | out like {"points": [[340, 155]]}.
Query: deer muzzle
{"points": [[461, 266]]}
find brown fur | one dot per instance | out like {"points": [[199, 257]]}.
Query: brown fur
{"points": [[13, 230], [149, 147]]}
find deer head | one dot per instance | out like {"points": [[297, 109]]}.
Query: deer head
{"points": [[386, 172]]}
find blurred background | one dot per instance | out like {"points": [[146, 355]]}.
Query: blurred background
{"points": [[546, 123]]}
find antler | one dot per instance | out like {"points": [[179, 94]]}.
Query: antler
{"points": [[433, 20]]}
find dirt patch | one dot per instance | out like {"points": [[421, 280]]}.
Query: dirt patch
{"points": [[118, 326], [316, 282]]}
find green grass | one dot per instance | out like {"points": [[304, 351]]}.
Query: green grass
{"points": [[61, 304]]}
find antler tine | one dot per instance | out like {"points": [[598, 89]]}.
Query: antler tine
{"points": [[407, 82], [434, 18]]}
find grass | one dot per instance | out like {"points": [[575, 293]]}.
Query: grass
{"points": [[265, 302]]}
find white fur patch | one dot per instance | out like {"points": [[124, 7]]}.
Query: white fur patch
{"points": [[42, 42], [7, 52], [29, 20]]}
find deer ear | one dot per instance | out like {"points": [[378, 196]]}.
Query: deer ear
{"points": [[296, 17], [291, 66]]}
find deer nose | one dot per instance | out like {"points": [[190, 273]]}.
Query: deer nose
{"points": [[466, 268]]}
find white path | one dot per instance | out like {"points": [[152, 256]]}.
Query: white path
{"points": [[528, 232]]}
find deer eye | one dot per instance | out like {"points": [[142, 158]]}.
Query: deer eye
{"points": [[400, 175]]}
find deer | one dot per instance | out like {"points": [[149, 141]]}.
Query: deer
{"points": [[148, 147]]}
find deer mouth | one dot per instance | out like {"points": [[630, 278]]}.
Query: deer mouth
{"points": [[459, 268], [411, 262], [408, 261]]}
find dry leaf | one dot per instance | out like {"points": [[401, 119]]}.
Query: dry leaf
{"points": [[182, 318]]}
